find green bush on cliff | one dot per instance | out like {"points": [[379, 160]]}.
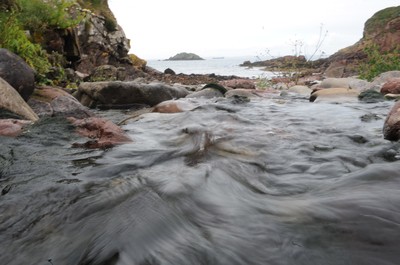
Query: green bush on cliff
{"points": [[23, 21], [378, 62], [15, 39], [39, 15]]}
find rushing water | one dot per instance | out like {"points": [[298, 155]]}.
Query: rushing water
{"points": [[272, 181]]}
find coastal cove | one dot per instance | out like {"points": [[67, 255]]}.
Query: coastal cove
{"points": [[109, 159]]}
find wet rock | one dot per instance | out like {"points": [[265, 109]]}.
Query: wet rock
{"points": [[174, 106], [206, 93], [391, 127], [238, 83], [116, 93], [392, 96], [335, 95], [17, 73], [383, 78], [371, 96], [12, 127], [301, 90], [352, 83], [55, 102], [103, 133], [12, 101], [245, 93], [391, 87]]}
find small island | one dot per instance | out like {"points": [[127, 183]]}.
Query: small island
{"points": [[184, 56]]}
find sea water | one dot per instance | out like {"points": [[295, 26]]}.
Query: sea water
{"points": [[220, 66]]}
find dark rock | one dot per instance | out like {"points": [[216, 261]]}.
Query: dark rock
{"points": [[169, 71], [369, 117], [391, 87], [124, 93], [11, 101], [391, 127], [370, 96], [17, 73], [103, 133]]}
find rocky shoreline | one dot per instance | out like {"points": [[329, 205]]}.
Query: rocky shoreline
{"points": [[167, 93]]}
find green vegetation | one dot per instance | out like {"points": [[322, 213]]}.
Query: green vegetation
{"points": [[24, 21], [39, 15], [378, 62], [15, 39]]}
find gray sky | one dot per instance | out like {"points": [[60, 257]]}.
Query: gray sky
{"points": [[159, 29]]}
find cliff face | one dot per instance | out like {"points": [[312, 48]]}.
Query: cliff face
{"points": [[382, 29], [97, 40]]}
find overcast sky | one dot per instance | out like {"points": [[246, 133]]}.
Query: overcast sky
{"points": [[159, 29]]}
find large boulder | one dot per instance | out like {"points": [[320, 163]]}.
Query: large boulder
{"points": [[238, 83], [391, 87], [301, 90], [391, 128], [17, 73], [383, 78], [11, 101], [116, 94], [338, 95], [350, 82], [206, 93], [55, 102]]}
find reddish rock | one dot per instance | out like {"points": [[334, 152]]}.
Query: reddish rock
{"points": [[103, 133], [391, 128], [239, 83], [12, 127], [174, 106], [391, 87], [53, 101]]}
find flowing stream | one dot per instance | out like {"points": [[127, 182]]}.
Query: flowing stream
{"points": [[273, 181]]}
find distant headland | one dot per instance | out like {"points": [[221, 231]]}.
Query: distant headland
{"points": [[185, 56]]}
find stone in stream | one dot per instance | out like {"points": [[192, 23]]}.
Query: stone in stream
{"points": [[391, 127], [11, 101], [115, 93], [17, 73], [103, 133]]}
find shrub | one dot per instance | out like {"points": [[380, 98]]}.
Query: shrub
{"points": [[39, 15], [378, 62], [15, 39]]}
